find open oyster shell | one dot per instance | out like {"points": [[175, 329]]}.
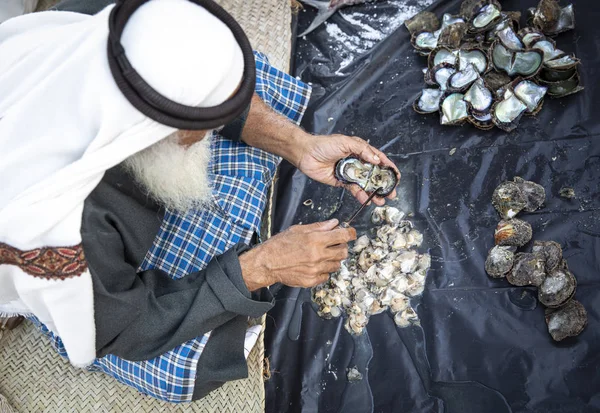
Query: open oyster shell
{"points": [[357, 320], [548, 47], [424, 42], [361, 243], [564, 62], [428, 101], [479, 97], [528, 269], [472, 56], [563, 87], [449, 19], [500, 261], [513, 232], [439, 75], [530, 35], [530, 93], [482, 121], [566, 21], [459, 58], [406, 318], [507, 112], [442, 55], [556, 75], [507, 20], [461, 80], [388, 215], [526, 63], [509, 39], [558, 287], [369, 177], [567, 321], [453, 109], [450, 34], [484, 15]]}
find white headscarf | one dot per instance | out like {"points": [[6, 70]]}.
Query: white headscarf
{"points": [[13, 8], [63, 122]]}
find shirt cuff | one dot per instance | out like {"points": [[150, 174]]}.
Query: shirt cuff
{"points": [[225, 279]]}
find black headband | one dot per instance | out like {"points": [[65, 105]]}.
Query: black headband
{"points": [[156, 106]]}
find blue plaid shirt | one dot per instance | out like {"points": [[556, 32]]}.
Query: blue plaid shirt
{"points": [[241, 176]]}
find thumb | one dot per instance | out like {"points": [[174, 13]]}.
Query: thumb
{"points": [[322, 226]]}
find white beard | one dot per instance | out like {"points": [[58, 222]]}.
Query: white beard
{"points": [[175, 176]]}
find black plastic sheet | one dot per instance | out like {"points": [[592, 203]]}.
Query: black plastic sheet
{"points": [[483, 346]]}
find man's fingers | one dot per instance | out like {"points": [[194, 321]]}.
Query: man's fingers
{"points": [[335, 237], [337, 253], [331, 266], [320, 279], [361, 196], [372, 154], [387, 162], [357, 192], [320, 226], [365, 151], [379, 201]]}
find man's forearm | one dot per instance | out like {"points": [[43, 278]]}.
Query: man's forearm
{"points": [[267, 130]]}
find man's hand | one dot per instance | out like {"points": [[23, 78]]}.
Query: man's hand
{"points": [[301, 256], [320, 154], [315, 156]]}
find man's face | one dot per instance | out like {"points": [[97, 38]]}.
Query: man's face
{"points": [[190, 137]]}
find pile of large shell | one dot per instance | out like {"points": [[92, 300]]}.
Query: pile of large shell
{"points": [[484, 70], [543, 267], [381, 273]]}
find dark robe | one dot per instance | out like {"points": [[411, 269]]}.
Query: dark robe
{"points": [[141, 315]]}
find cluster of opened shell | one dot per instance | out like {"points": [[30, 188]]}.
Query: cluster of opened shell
{"points": [[485, 70], [382, 272], [543, 268]]}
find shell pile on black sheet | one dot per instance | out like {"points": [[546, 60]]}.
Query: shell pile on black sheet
{"points": [[485, 70], [543, 267]]}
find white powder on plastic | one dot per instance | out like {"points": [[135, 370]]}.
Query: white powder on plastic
{"points": [[371, 28]]}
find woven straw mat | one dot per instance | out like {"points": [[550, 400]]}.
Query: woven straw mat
{"points": [[33, 378], [267, 24]]}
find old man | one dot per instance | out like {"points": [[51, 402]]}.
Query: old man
{"points": [[138, 146]]}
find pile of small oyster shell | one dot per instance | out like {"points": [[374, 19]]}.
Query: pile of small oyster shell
{"points": [[382, 272], [485, 70], [543, 268]]}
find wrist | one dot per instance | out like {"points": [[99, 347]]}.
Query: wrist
{"points": [[301, 143], [254, 272]]}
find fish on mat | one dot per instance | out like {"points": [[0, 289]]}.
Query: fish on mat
{"points": [[326, 9]]}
